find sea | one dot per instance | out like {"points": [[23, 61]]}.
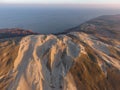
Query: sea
{"points": [[48, 18]]}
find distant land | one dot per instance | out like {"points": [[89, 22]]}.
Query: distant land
{"points": [[15, 32]]}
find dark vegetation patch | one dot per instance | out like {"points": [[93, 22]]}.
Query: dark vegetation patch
{"points": [[114, 53], [89, 76], [8, 53]]}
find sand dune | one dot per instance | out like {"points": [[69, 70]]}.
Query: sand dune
{"points": [[71, 61]]}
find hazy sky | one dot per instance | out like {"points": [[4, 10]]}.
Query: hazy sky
{"points": [[63, 1]]}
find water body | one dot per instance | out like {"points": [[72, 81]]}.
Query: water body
{"points": [[48, 19]]}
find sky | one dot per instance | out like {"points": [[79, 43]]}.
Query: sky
{"points": [[61, 1]]}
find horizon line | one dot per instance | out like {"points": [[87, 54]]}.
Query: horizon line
{"points": [[66, 3], [112, 5]]}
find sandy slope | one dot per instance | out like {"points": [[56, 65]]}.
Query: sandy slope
{"points": [[45, 62], [39, 64]]}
